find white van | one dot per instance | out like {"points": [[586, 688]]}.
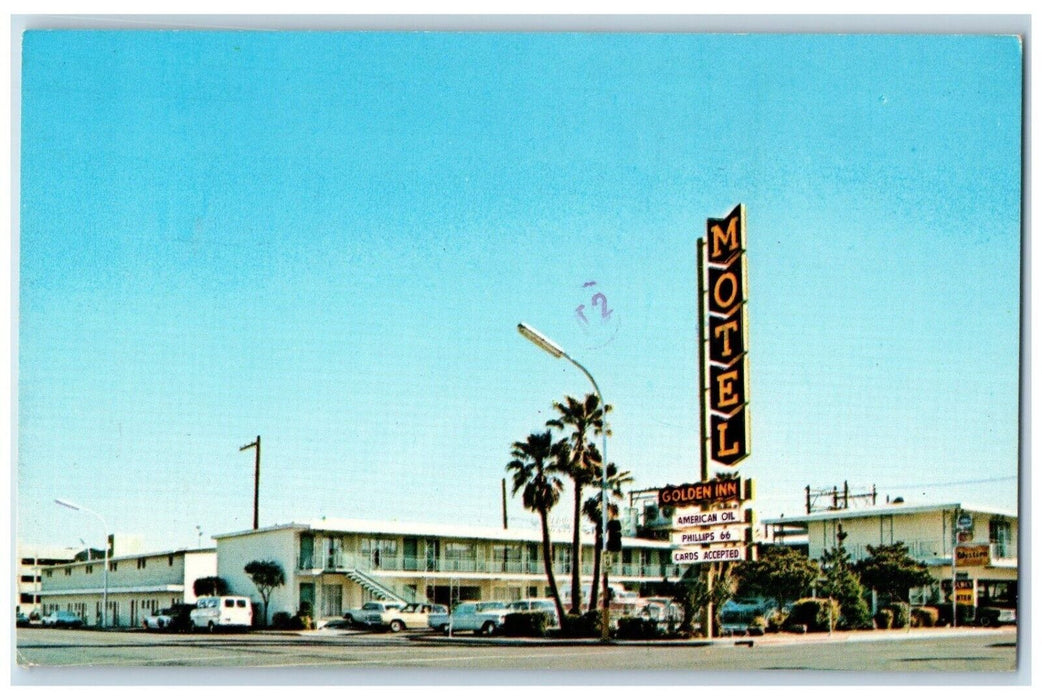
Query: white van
{"points": [[215, 612]]}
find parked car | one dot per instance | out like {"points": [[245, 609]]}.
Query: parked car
{"points": [[62, 618], [176, 618], [664, 611], [21, 620], [227, 611], [540, 604], [477, 617], [411, 616], [737, 615], [370, 610]]}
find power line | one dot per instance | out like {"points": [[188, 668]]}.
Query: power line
{"points": [[949, 483]]}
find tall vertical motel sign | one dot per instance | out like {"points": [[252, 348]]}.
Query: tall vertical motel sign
{"points": [[725, 291]]}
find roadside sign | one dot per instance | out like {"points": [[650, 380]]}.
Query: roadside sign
{"points": [[704, 492], [965, 521], [688, 518], [972, 555], [716, 535], [711, 554]]}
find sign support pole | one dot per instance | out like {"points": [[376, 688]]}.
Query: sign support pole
{"points": [[703, 442], [955, 543], [703, 436]]}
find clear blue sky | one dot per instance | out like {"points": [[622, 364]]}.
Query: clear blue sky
{"points": [[328, 240]]}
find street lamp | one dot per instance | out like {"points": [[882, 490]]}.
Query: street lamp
{"points": [[105, 543], [549, 346]]}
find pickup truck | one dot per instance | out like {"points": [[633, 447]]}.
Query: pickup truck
{"points": [[370, 611], [479, 618], [411, 616]]}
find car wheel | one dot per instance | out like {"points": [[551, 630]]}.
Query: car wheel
{"points": [[443, 629], [211, 627], [349, 620], [488, 628], [397, 625]]}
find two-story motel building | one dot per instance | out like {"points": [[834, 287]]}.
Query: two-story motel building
{"points": [[337, 564], [930, 532], [138, 584]]}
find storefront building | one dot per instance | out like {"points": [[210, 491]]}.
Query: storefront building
{"points": [[931, 534]]}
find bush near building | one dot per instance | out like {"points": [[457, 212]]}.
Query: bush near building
{"points": [[902, 615], [579, 626], [813, 614], [925, 616], [637, 628], [884, 619], [529, 623]]}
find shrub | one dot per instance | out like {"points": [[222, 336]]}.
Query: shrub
{"points": [[925, 616], [776, 621], [529, 623], [884, 619], [813, 613], [280, 621], [586, 625], [637, 628], [902, 614]]}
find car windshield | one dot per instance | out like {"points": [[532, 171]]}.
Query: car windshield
{"points": [[491, 605]]}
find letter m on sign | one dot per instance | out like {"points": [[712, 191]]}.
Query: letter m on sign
{"points": [[726, 237]]}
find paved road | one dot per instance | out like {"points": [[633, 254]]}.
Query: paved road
{"points": [[939, 651]]}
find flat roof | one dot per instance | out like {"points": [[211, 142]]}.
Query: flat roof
{"points": [[126, 557], [395, 527], [886, 509]]}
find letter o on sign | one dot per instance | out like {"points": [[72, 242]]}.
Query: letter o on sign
{"points": [[727, 284]]}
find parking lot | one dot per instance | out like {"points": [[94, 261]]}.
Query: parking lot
{"points": [[51, 655]]}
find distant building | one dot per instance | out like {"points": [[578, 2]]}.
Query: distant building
{"points": [[335, 564], [31, 560], [138, 584], [929, 531]]}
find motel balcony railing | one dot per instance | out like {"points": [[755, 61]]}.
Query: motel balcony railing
{"points": [[343, 561]]}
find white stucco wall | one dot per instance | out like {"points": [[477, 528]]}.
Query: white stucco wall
{"points": [[235, 552]]}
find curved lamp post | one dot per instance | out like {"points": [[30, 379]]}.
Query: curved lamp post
{"points": [[105, 542], [549, 346]]}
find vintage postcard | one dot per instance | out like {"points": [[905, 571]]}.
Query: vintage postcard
{"points": [[366, 349]]}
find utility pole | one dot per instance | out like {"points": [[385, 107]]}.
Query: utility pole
{"points": [[256, 477]]}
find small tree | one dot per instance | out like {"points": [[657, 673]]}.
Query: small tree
{"points": [[842, 585], [892, 572], [209, 585], [781, 574], [266, 576]]}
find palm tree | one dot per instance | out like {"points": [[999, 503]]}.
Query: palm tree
{"points": [[583, 417], [540, 491], [592, 510]]}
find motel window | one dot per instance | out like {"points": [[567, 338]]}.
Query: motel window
{"points": [[89, 568], [170, 559], [113, 566], [141, 563], [380, 551], [68, 571]]}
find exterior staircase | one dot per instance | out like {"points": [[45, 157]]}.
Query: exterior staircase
{"points": [[374, 586]]}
